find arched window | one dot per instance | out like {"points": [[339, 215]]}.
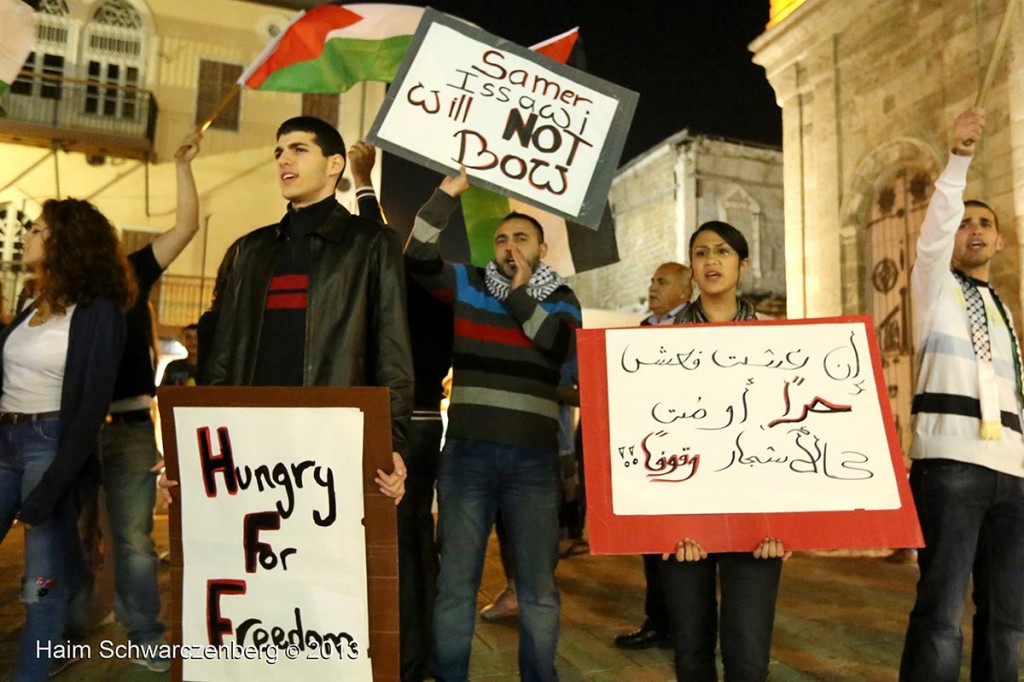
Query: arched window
{"points": [[47, 63], [113, 50]]}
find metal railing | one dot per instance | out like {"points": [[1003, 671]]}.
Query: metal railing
{"points": [[178, 300], [84, 104]]}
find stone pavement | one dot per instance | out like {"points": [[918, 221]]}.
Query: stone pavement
{"points": [[839, 619]]}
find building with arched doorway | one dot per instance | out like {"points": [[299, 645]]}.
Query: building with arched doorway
{"points": [[869, 92]]}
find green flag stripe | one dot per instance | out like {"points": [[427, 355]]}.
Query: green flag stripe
{"points": [[482, 210], [343, 63]]}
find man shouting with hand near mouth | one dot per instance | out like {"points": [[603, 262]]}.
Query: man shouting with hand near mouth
{"points": [[514, 324]]}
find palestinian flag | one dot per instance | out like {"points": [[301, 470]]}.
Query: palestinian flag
{"points": [[330, 48], [19, 22]]}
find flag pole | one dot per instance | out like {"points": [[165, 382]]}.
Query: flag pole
{"points": [[993, 62], [997, 53], [217, 110]]}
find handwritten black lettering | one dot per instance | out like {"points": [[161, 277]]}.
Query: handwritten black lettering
{"points": [[253, 631], [843, 362], [424, 101]]}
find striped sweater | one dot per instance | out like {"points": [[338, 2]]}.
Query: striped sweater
{"points": [[946, 411], [507, 355]]}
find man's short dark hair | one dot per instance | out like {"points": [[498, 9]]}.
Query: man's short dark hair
{"points": [[982, 204], [324, 134], [516, 215]]}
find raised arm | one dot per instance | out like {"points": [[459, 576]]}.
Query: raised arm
{"points": [[945, 211], [171, 243], [362, 156], [423, 256]]}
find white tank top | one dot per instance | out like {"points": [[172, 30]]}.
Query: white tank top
{"points": [[34, 360]]}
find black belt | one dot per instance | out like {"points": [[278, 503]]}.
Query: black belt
{"points": [[10, 418], [130, 416]]}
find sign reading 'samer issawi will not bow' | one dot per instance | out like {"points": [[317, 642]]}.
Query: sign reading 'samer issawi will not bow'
{"points": [[523, 125]]}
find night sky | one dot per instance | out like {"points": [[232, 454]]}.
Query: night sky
{"points": [[688, 59]]}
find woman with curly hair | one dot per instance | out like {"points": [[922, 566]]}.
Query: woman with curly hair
{"points": [[59, 359]]}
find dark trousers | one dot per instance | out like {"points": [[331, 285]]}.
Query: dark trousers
{"points": [[417, 552], [654, 600], [749, 588], [955, 502]]}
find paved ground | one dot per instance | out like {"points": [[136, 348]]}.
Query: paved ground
{"points": [[839, 618]]}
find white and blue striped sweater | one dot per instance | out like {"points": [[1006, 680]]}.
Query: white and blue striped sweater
{"points": [[946, 412]]}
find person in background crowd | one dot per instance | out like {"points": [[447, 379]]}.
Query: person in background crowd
{"points": [[128, 454], [669, 293], [182, 372], [430, 327]]}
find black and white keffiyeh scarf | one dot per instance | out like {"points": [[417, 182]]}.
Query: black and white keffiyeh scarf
{"points": [[542, 283], [981, 340], [694, 313]]}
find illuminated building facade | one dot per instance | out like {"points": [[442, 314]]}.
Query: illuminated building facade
{"points": [[868, 92]]}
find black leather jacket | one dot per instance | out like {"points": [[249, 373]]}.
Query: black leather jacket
{"points": [[356, 328]]}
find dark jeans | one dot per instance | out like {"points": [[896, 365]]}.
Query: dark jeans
{"points": [[749, 587], [417, 552], [954, 502], [655, 610], [475, 481]]}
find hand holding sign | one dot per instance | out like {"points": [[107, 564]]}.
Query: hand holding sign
{"points": [[393, 484], [455, 186]]}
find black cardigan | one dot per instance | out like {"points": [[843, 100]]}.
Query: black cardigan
{"points": [[95, 342]]}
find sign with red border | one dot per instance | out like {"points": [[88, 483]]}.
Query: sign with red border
{"points": [[731, 433]]}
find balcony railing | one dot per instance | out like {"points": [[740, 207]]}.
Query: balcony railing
{"points": [[100, 116], [177, 300]]}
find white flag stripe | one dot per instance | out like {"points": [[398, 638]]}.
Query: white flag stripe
{"points": [[380, 22]]}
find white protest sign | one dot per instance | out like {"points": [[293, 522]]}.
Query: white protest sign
{"points": [[523, 125], [273, 546], [746, 419]]}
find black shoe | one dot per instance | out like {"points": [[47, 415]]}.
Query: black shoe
{"points": [[644, 638]]}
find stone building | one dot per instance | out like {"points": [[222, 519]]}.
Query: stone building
{"points": [[868, 92], [658, 200]]}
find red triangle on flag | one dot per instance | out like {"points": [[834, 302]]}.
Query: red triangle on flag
{"points": [[560, 47]]}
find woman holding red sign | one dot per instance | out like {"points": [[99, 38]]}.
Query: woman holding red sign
{"points": [[719, 256]]}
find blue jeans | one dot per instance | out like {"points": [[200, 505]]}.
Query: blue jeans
{"points": [[127, 453], [749, 590], [417, 552], [475, 481], [52, 551], [954, 502]]}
